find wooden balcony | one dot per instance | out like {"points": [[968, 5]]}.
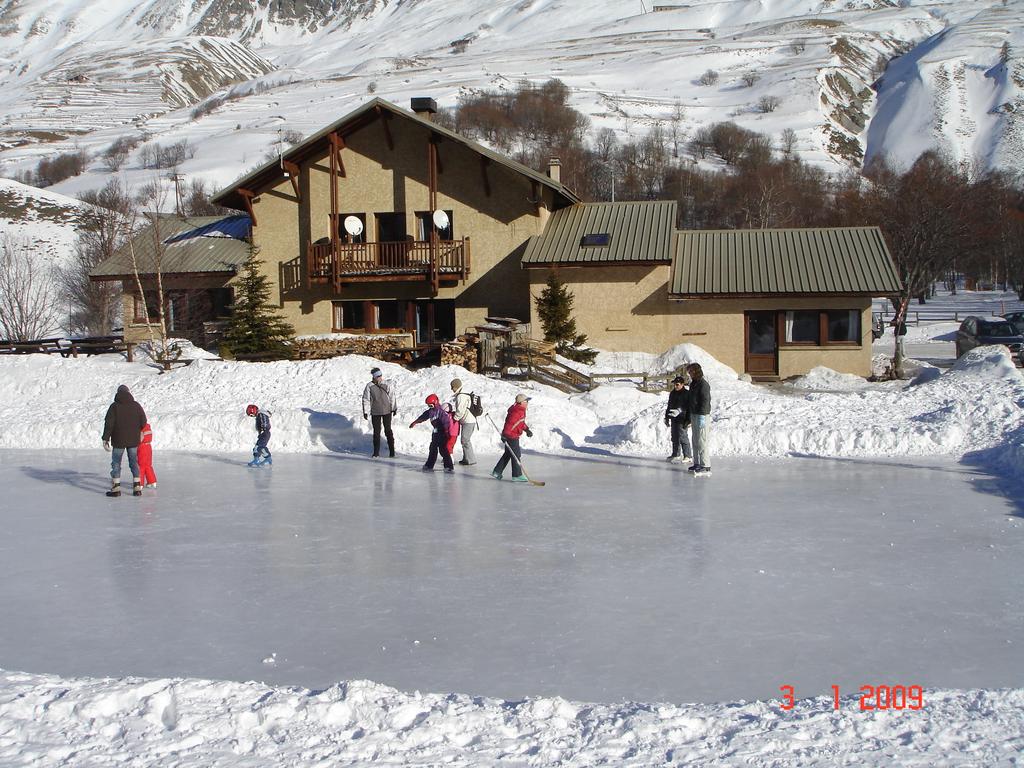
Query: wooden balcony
{"points": [[444, 261]]}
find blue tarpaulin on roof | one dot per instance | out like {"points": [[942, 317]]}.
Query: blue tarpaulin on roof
{"points": [[236, 227]]}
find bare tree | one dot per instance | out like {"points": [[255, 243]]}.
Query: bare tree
{"points": [[710, 77], [750, 78], [28, 301], [768, 103], [95, 305], [787, 141], [147, 267]]}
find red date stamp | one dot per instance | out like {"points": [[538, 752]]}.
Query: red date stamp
{"points": [[872, 697]]}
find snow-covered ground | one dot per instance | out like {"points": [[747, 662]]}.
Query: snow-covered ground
{"points": [[854, 533]]}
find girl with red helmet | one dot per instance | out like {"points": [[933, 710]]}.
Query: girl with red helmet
{"points": [[441, 421]]}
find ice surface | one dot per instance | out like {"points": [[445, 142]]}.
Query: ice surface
{"points": [[621, 579]]}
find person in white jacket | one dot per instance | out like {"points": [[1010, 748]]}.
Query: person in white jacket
{"points": [[467, 422]]}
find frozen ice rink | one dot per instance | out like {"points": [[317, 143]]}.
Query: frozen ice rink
{"points": [[621, 579]]}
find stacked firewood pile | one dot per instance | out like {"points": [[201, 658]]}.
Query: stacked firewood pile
{"points": [[371, 346], [462, 351]]}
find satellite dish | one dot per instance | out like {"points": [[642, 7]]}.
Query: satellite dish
{"points": [[353, 226], [441, 220]]}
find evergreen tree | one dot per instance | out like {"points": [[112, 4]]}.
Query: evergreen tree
{"points": [[254, 326], [554, 306]]}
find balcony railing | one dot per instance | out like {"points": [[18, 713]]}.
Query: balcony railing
{"points": [[411, 259]]}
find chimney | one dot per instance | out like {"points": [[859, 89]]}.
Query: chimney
{"points": [[424, 107], [555, 170]]}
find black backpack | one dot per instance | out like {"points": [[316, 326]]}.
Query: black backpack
{"points": [[476, 405]]}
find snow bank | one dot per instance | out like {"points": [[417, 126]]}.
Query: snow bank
{"points": [[137, 722], [51, 402]]}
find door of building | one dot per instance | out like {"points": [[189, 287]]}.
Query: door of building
{"points": [[761, 343]]}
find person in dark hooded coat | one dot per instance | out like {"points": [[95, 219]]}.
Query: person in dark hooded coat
{"points": [[122, 431]]}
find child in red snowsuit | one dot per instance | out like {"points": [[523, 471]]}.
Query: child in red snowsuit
{"points": [[453, 430], [146, 473]]}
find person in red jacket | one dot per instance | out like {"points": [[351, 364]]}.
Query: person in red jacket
{"points": [[146, 473], [515, 426], [453, 430]]}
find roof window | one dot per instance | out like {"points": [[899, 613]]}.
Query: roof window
{"points": [[598, 239]]}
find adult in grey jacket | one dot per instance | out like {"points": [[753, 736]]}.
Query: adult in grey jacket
{"points": [[122, 429], [700, 413], [467, 422], [380, 404]]}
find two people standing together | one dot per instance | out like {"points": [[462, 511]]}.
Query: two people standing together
{"points": [[690, 407]]}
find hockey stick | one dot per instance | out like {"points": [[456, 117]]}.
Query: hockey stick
{"points": [[512, 454]]}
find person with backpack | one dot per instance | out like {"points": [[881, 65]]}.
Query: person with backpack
{"points": [[677, 419], [380, 404], [700, 412], [467, 408], [442, 423], [514, 427], [146, 473], [260, 452], [122, 432]]}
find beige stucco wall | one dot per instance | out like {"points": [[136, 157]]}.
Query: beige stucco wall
{"points": [[624, 309], [379, 180]]}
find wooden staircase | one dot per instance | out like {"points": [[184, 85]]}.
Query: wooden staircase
{"points": [[536, 360]]}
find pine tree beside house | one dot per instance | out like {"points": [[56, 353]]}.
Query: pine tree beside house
{"points": [[554, 307], [254, 327]]}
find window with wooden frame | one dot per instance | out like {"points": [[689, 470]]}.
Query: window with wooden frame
{"points": [[139, 310], [348, 316], [843, 326], [343, 235], [425, 223], [821, 327]]}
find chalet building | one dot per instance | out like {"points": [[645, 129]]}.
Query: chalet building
{"points": [[769, 302], [385, 220], [197, 258]]}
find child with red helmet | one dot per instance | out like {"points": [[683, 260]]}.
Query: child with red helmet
{"points": [[260, 452], [441, 421], [146, 473]]}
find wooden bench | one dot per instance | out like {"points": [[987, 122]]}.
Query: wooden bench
{"points": [[30, 347]]}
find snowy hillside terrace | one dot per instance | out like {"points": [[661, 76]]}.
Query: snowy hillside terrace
{"points": [[81, 76]]}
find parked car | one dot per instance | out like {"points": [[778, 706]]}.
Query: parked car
{"points": [[978, 331], [1017, 318]]}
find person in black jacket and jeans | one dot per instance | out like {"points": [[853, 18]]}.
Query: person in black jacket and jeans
{"points": [[677, 419], [122, 428], [700, 411]]}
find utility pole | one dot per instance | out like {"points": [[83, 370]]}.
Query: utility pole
{"points": [[177, 178]]}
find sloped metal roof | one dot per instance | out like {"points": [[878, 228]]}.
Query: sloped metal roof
{"points": [[743, 262], [639, 232], [271, 172], [189, 245]]}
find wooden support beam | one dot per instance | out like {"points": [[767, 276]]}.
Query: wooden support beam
{"points": [[338, 144], [293, 174], [385, 118], [485, 162], [248, 196]]}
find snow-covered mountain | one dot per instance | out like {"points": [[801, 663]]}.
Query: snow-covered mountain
{"points": [[83, 73]]}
